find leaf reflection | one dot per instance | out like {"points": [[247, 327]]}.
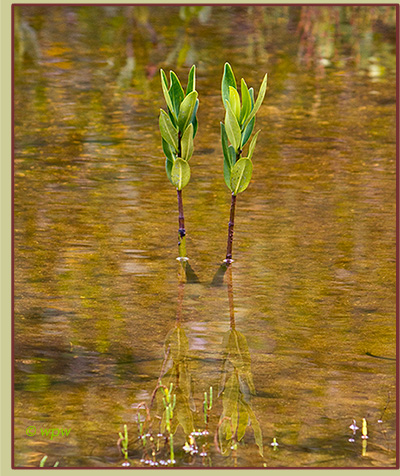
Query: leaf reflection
{"points": [[175, 371], [236, 386]]}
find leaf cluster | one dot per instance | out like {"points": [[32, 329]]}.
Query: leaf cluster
{"points": [[178, 126], [237, 128]]}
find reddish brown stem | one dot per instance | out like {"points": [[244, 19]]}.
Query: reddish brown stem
{"points": [[181, 231], [230, 230]]}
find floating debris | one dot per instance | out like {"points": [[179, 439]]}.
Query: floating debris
{"points": [[274, 444], [354, 427]]}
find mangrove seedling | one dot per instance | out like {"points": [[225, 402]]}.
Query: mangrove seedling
{"points": [[235, 132], [178, 128]]}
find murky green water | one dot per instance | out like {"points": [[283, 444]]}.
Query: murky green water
{"points": [[312, 288]]}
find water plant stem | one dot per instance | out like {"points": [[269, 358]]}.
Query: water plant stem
{"points": [[230, 230], [181, 231]]}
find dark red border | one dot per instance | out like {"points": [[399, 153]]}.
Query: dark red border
{"points": [[205, 4], [397, 231], [12, 238], [397, 227]]}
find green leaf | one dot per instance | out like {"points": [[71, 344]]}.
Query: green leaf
{"points": [[168, 132], [246, 101], [241, 175], [234, 101], [233, 154], [251, 92], [172, 117], [186, 110], [191, 85], [228, 163], [247, 132], [180, 173], [167, 149], [164, 85], [250, 126], [260, 98], [232, 127], [252, 145], [193, 120], [176, 92], [170, 157], [224, 142], [228, 79], [195, 124], [227, 173], [187, 143], [168, 168]]}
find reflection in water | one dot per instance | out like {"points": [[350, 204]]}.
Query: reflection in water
{"points": [[175, 404], [173, 394], [236, 386]]}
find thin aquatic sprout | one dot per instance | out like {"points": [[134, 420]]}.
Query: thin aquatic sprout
{"points": [[43, 461], [169, 413], [123, 442], [207, 406], [364, 437], [235, 133], [178, 127], [364, 429]]}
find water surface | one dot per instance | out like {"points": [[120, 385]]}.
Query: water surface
{"points": [[97, 287]]}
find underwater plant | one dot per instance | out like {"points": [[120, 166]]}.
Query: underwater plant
{"points": [[178, 128], [238, 126], [123, 444]]}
